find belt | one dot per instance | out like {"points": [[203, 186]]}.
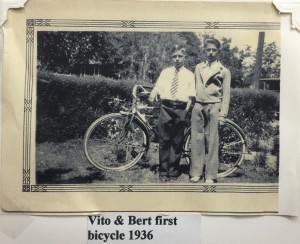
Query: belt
{"points": [[174, 104], [205, 103]]}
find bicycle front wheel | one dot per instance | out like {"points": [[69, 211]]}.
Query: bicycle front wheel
{"points": [[114, 142], [232, 148]]}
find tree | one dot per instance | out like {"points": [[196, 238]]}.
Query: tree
{"points": [[247, 57], [142, 55], [128, 55], [229, 56], [271, 61]]}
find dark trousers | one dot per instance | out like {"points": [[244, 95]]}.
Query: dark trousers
{"points": [[171, 126]]}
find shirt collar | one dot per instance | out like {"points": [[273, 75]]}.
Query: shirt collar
{"points": [[215, 63], [178, 68]]}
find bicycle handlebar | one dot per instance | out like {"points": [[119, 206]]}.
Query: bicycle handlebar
{"points": [[144, 90]]}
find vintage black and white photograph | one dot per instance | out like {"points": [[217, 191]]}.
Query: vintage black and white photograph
{"points": [[111, 107], [178, 107]]}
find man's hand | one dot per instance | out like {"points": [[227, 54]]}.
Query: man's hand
{"points": [[222, 120], [152, 96], [182, 116]]}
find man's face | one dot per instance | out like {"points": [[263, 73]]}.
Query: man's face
{"points": [[178, 59], [211, 52]]}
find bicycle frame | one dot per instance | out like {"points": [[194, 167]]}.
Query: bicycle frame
{"points": [[135, 114], [136, 121]]}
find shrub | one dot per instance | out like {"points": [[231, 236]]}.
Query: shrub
{"points": [[260, 159], [67, 104], [275, 150], [254, 111]]}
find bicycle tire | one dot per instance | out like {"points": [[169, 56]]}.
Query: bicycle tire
{"points": [[114, 142], [231, 137]]}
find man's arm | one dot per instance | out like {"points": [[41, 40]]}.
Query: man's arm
{"points": [[189, 103], [191, 91], [157, 87], [197, 77], [153, 94], [226, 94]]}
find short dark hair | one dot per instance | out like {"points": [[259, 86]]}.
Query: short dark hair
{"points": [[176, 48], [212, 40]]}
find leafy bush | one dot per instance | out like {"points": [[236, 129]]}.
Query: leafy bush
{"points": [[254, 111], [67, 105], [260, 159], [275, 150]]}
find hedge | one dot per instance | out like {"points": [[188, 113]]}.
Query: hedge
{"points": [[254, 111], [67, 105]]}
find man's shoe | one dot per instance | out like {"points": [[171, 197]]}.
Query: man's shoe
{"points": [[173, 178], [210, 181], [195, 179], [163, 178]]}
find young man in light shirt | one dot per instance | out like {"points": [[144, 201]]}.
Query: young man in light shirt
{"points": [[210, 109], [176, 88]]}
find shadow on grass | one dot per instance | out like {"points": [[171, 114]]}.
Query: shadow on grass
{"points": [[51, 176], [235, 175], [55, 176], [86, 179], [183, 169]]}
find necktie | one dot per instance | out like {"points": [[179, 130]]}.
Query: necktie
{"points": [[174, 86]]}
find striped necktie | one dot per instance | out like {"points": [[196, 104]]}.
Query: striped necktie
{"points": [[174, 86]]}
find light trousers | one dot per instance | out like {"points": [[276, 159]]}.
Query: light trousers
{"points": [[205, 140]]}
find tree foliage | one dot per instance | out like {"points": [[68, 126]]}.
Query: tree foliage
{"points": [[271, 61], [142, 55], [129, 55]]}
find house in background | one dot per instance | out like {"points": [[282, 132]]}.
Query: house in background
{"points": [[272, 84]]}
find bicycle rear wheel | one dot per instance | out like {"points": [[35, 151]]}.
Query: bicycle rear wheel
{"points": [[232, 148], [114, 142]]}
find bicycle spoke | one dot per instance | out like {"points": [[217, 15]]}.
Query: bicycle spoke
{"points": [[231, 153], [232, 147], [114, 143], [233, 143]]}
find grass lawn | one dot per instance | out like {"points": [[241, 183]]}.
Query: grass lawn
{"points": [[65, 163]]}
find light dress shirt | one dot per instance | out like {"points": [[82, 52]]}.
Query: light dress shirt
{"points": [[186, 84]]}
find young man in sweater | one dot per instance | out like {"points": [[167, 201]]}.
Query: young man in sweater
{"points": [[210, 109]]}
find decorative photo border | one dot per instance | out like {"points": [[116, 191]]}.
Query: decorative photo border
{"points": [[126, 24]]}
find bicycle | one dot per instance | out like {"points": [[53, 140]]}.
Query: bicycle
{"points": [[117, 141]]}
